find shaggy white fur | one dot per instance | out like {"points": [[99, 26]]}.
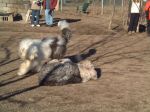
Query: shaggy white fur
{"points": [[29, 65], [63, 24], [87, 71], [35, 52]]}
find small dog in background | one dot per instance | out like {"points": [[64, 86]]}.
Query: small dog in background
{"points": [[35, 52], [64, 71]]}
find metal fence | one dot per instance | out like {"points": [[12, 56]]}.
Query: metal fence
{"points": [[99, 6], [105, 2]]}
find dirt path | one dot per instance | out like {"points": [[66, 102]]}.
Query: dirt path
{"points": [[124, 62]]}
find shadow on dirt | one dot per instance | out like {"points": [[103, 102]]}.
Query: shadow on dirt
{"points": [[56, 20], [8, 72], [14, 93], [116, 52], [7, 53], [6, 80], [9, 61], [5, 48], [68, 20], [13, 81]]}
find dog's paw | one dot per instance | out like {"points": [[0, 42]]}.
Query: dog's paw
{"points": [[84, 80], [20, 73]]}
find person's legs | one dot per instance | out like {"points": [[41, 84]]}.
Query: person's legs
{"points": [[32, 17], [148, 27], [48, 17], [136, 20], [37, 14], [130, 28]]}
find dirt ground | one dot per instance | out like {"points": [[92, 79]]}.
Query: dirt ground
{"points": [[123, 61]]}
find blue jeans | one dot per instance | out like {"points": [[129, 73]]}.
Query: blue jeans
{"points": [[35, 17], [48, 17]]}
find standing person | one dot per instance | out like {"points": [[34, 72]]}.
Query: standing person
{"points": [[134, 16], [49, 6], [35, 8], [147, 11]]}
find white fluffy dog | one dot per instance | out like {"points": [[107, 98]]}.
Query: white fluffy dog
{"points": [[34, 52], [64, 71]]}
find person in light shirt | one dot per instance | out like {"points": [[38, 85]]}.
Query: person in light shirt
{"points": [[134, 16], [35, 7]]}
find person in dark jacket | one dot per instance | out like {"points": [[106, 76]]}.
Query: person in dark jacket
{"points": [[49, 6], [147, 11]]}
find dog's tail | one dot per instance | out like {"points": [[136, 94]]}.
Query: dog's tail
{"points": [[65, 29]]}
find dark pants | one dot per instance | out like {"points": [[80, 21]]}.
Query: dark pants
{"points": [[35, 17], [148, 26], [134, 19]]}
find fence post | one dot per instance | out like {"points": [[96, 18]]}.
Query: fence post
{"points": [[112, 15], [61, 5], [102, 7]]}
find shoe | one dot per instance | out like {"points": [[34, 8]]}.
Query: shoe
{"points": [[32, 25], [38, 25], [49, 25], [129, 32], [133, 32]]}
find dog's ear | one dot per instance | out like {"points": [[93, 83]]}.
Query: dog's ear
{"points": [[33, 53]]}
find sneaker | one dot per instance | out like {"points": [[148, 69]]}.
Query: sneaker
{"points": [[129, 32], [38, 25], [133, 32], [32, 25], [49, 25]]}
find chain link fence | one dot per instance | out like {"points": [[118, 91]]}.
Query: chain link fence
{"points": [[106, 2], [97, 6]]}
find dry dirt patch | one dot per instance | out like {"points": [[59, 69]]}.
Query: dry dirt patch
{"points": [[124, 62]]}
